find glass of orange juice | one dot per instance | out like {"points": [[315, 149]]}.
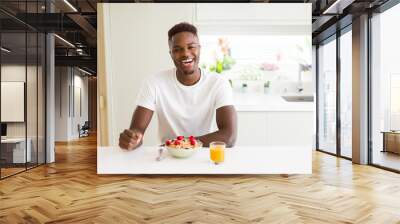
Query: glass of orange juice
{"points": [[217, 152]]}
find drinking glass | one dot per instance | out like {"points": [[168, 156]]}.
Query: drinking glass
{"points": [[217, 152]]}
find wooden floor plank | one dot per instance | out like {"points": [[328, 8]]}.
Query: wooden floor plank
{"points": [[70, 191]]}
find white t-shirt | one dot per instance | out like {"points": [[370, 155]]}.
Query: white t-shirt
{"points": [[185, 110]]}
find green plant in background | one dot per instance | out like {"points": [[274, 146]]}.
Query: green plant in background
{"points": [[212, 68], [226, 61], [267, 84], [220, 67], [223, 65]]}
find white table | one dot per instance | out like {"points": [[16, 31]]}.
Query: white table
{"points": [[238, 160]]}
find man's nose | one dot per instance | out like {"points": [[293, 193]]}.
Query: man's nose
{"points": [[186, 52]]}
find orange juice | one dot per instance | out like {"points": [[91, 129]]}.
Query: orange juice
{"points": [[217, 152]]}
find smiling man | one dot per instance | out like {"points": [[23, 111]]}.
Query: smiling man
{"points": [[187, 100]]}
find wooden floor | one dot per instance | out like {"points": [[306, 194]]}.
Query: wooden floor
{"points": [[5, 172], [70, 191]]}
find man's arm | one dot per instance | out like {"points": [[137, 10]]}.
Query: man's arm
{"points": [[141, 119], [133, 137], [227, 127]]}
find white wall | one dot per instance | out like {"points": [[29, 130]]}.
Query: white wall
{"points": [[67, 82], [62, 81]]}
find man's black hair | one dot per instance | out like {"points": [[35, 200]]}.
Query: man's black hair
{"points": [[181, 27]]}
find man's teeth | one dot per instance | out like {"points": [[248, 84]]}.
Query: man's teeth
{"points": [[187, 60]]}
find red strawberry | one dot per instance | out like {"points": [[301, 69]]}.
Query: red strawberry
{"points": [[180, 137], [168, 142], [192, 141], [177, 142], [191, 137]]}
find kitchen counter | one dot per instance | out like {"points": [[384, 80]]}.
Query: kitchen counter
{"points": [[238, 160], [272, 120], [262, 102]]}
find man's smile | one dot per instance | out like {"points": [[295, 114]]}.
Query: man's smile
{"points": [[187, 62]]}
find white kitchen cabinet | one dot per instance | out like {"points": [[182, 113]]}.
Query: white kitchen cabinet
{"points": [[252, 129], [275, 128], [286, 128]]}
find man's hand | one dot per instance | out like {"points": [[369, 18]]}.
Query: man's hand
{"points": [[130, 139]]}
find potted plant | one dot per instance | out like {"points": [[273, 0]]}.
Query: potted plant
{"points": [[267, 86]]}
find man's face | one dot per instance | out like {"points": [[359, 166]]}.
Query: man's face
{"points": [[185, 52]]}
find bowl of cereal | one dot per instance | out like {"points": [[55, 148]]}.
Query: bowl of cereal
{"points": [[182, 147]]}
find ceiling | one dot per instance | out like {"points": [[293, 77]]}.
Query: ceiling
{"points": [[76, 22]]}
